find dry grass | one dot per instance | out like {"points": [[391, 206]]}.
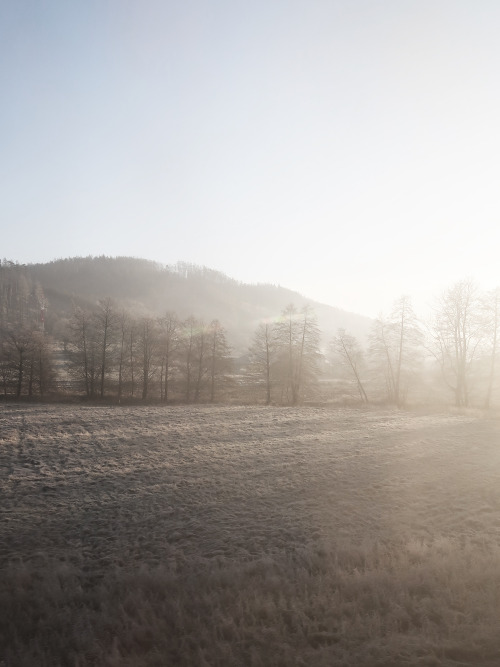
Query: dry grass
{"points": [[248, 536]]}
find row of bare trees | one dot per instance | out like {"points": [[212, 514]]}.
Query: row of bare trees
{"points": [[284, 358], [465, 342], [26, 365], [25, 352], [111, 352], [455, 350]]}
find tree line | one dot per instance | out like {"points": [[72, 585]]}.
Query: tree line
{"points": [[106, 352], [111, 353], [450, 358]]}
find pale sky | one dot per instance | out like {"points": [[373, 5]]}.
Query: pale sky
{"points": [[346, 149]]}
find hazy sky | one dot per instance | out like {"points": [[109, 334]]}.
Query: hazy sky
{"points": [[347, 149]]}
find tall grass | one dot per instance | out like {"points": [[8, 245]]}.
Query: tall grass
{"points": [[433, 602]]}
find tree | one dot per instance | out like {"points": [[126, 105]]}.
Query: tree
{"points": [[381, 355], [83, 351], [457, 331], [348, 350], [492, 311], [6, 369], [106, 327], [263, 356], [395, 345], [308, 354], [200, 352], [26, 365], [408, 340], [17, 345], [123, 330], [23, 301], [41, 372], [219, 361], [298, 338], [148, 348], [133, 336], [170, 329], [188, 338]]}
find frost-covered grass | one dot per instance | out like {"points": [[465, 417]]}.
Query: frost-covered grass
{"points": [[248, 536]]}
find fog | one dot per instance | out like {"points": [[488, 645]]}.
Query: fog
{"points": [[347, 152], [249, 333], [123, 329]]}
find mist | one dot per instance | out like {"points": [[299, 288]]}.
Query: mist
{"points": [[249, 310]]}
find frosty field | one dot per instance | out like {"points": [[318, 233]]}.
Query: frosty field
{"points": [[200, 535]]}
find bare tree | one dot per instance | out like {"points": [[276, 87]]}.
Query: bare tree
{"points": [[381, 355], [395, 349], [219, 361], [408, 340], [263, 356], [133, 353], [41, 374], [170, 329], [201, 357], [17, 346], [288, 336], [188, 341], [308, 353], [124, 325], [18, 306], [298, 338], [83, 351], [492, 312], [348, 350], [6, 367], [457, 331], [148, 347], [106, 327]]}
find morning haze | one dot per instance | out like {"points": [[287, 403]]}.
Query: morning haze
{"points": [[346, 151], [249, 333]]}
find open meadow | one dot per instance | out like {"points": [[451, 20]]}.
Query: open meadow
{"points": [[252, 536]]}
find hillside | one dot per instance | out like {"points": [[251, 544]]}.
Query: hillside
{"points": [[147, 287]]}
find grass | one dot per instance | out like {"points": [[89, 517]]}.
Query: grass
{"points": [[248, 536]]}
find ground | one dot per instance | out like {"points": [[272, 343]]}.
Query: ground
{"points": [[202, 535]]}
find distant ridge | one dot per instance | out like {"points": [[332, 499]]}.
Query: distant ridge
{"points": [[147, 287]]}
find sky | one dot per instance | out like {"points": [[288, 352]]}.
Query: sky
{"points": [[348, 149]]}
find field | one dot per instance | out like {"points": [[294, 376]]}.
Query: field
{"points": [[228, 536]]}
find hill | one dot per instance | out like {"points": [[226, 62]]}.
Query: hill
{"points": [[146, 287]]}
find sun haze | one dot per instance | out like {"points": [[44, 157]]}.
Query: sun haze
{"points": [[345, 150]]}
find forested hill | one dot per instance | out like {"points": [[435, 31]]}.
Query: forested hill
{"points": [[145, 287]]}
